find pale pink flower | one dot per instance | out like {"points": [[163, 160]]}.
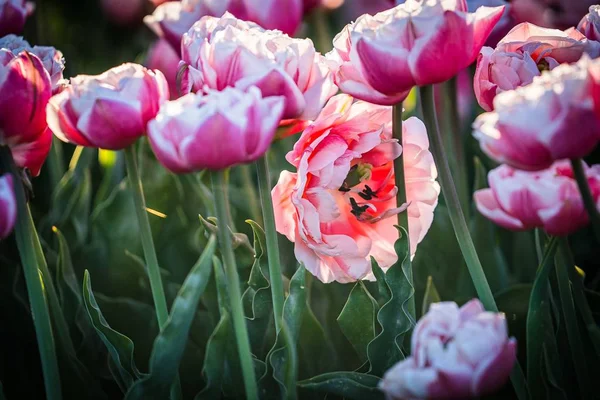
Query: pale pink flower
{"points": [[13, 14], [532, 126], [382, 57], [222, 52], [8, 205], [590, 24], [338, 207], [172, 19], [24, 92], [52, 58], [215, 131], [548, 199], [109, 110], [456, 354], [522, 55]]}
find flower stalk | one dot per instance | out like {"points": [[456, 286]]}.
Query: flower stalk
{"points": [[219, 184], [264, 183], [586, 194]]}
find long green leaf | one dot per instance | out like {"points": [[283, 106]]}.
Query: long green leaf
{"points": [[431, 296], [357, 319], [214, 360], [170, 343], [119, 346], [393, 317], [349, 385]]}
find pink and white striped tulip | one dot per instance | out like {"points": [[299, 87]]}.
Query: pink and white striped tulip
{"points": [[532, 126], [548, 199], [223, 52], [53, 59], [457, 353], [163, 57], [8, 205], [25, 89], [523, 54], [172, 19], [337, 207], [382, 57], [590, 24], [110, 110], [215, 131], [13, 14]]}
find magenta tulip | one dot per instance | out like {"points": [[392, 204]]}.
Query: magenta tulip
{"points": [[382, 57], [590, 24], [548, 199], [52, 58], [8, 205], [457, 353], [24, 92], [532, 126], [215, 131], [222, 52], [110, 110], [522, 55], [13, 14], [339, 207]]}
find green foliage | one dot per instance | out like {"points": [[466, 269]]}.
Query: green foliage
{"points": [[357, 319], [350, 385]]}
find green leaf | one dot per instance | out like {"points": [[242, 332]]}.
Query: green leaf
{"points": [[431, 296], [214, 360], [256, 299], [119, 346], [170, 343], [357, 319], [393, 317], [69, 291], [316, 354], [283, 357], [350, 385], [539, 323]]}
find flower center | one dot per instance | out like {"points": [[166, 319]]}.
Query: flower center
{"points": [[543, 65]]}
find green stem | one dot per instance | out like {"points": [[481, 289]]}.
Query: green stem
{"points": [[401, 195], [235, 293], [318, 20], [571, 323], [264, 185], [56, 167], [156, 285], [586, 194], [454, 209], [24, 232], [250, 193]]}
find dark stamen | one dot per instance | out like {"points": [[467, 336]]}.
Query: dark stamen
{"points": [[356, 209]]}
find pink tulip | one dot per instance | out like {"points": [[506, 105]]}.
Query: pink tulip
{"points": [[172, 19], [123, 12], [222, 52], [504, 25], [382, 57], [110, 110], [24, 92], [532, 126], [8, 205], [522, 55], [548, 199], [215, 131], [337, 207], [590, 24], [558, 14], [13, 14], [163, 57], [52, 58], [456, 354]]}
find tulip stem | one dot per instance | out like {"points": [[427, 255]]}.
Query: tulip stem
{"points": [[452, 202], [586, 194], [401, 195], [233, 284], [156, 285], [264, 184], [24, 232], [570, 314]]}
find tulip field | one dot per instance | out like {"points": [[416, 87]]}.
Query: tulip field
{"points": [[299, 199]]}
